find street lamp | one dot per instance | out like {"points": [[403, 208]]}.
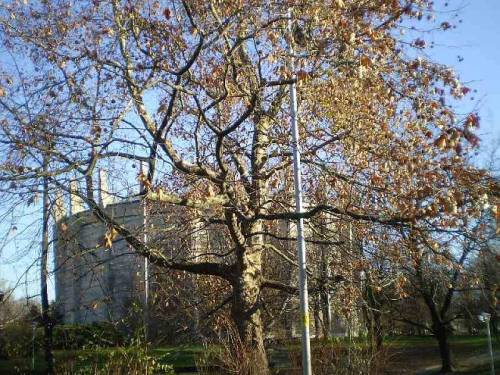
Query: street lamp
{"points": [[301, 245], [485, 318]]}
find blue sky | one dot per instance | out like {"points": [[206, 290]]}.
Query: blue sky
{"points": [[476, 39]]}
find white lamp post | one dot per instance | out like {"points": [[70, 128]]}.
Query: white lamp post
{"points": [[301, 245], [485, 318]]}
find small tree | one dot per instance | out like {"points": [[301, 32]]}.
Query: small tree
{"points": [[437, 273]]}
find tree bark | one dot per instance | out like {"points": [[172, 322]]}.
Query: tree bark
{"points": [[377, 325], [247, 284], [318, 324], [46, 318], [373, 316], [246, 311], [441, 334], [325, 294]]}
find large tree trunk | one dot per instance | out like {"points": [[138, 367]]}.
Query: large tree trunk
{"points": [[246, 311], [441, 334]]}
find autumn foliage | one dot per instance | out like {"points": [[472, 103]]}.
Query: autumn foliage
{"points": [[198, 90]]}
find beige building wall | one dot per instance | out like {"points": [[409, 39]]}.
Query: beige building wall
{"points": [[94, 283]]}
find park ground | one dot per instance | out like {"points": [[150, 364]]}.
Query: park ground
{"points": [[420, 355], [403, 355]]}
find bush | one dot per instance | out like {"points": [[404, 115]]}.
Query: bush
{"points": [[70, 337], [135, 359], [341, 358], [16, 340], [229, 355]]}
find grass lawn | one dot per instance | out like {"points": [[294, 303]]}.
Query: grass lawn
{"points": [[412, 355], [181, 357], [405, 355]]}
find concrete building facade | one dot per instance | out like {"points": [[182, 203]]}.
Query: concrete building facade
{"points": [[94, 283]]}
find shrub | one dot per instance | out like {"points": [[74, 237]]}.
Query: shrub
{"points": [[16, 340], [101, 334], [341, 358], [228, 356], [135, 359]]}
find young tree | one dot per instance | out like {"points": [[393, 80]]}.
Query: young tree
{"points": [[437, 272], [26, 167], [198, 90]]}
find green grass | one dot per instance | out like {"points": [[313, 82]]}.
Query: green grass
{"points": [[424, 340], [178, 356], [469, 353], [470, 343]]}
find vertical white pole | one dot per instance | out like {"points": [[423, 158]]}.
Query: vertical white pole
{"points": [[490, 348], [146, 293], [146, 263], [301, 246]]}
